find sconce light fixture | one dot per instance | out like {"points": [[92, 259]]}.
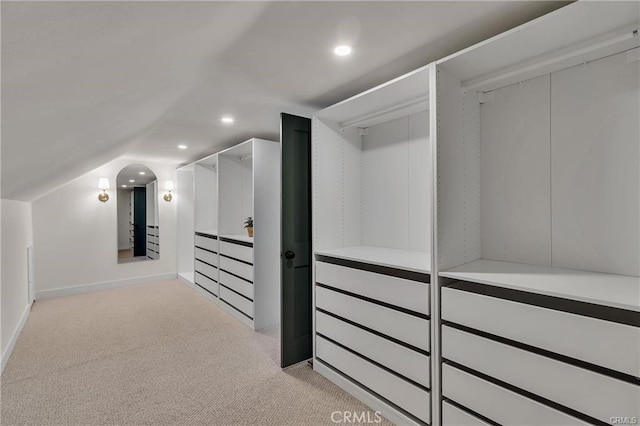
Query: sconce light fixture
{"points": [[169, 187], [103, 184]]}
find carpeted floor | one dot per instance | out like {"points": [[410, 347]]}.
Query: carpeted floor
{"points": [[156, 354]]}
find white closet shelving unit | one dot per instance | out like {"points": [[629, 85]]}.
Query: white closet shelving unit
{"points": [[249, 186], [206, 250], [372, 244], [538, 220], [153, 225], [184, 198]]}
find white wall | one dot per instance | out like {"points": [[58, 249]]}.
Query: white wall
{"points": [[76, 236], [17, 235], [124, 210]]}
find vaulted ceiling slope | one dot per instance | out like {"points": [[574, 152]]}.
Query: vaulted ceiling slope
{"points": [[86, 82]]}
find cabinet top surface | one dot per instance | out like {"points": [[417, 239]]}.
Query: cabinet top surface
{"points": [[208, 231], [409, 260], [239, 237], [618, 291]]}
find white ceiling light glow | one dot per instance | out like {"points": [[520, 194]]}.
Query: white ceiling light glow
{"points": [[131, 180], [342, 50], [182, 147], [142, 173], [227, 120]]}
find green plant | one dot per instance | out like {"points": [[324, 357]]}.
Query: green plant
{"points": [[248, 223]]}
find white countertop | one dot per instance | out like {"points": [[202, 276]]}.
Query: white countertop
{"points": [[409, 260]]}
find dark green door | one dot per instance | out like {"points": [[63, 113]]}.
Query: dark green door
{"points": [[139, 221], [296, 341]]}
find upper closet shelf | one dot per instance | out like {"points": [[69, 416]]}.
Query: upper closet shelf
{"points": [[617, 291], [409, 260], [238, 237], [213, 232], [397, 98]]}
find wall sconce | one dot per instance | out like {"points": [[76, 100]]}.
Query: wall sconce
{"points": [[103, 184], [169, 187]]}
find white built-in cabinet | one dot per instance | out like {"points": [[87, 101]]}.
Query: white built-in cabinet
{"points": [[239, 272], [477, 230], [153, 225], [184, 199], [538, 221], [372, 191]]}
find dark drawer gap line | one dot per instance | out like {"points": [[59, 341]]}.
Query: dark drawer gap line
{"points": [[206, 276], [236, 259], [213, 237], [206, 263], [377, 333], [377, 395], [548, 354], [240, 243], [208, 291], [556, 303], [237, 276], [374, 301], [206, 249], [525, 393], [422, 277], [376, 363], [470, 411], [234, 308], [236, 292]]}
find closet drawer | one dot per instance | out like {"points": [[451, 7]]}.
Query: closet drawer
{"points": [[206, 283], [453, 416], [207, 270], [400, 392], [240, 303], [497, 403], [207, 256], [400, 292], [237, 268], [241, 286], [588, 339], [237, 251], [401, 359], [399, 325], [585, 391], [207, 243]]}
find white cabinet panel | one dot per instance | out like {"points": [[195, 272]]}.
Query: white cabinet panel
{"points": [[404, 327], [236, 284], [237, 301], [206, 283], [207, 256], [401, 359], [237, 251], [390, 386], [207, 243], [207, 270], [400, 292], [453, 416], [587, 392], [589, 339], [237, 268]]}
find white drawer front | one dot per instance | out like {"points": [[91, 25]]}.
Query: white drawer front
{"points": [[407, 362], [499, 404], [236, 284], [587, 392], [208, 284], [237, 251], [453, 416], [207, 256], [400, 292], [207, 270], [239, 302], [596, 341], [399, 391], [237, 268], [207, 243], [404, 327]]}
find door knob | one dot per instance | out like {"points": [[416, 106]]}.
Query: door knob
{"points": [[289, 255]]}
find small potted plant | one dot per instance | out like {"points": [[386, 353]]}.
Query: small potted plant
{"points": [[249, 225]]}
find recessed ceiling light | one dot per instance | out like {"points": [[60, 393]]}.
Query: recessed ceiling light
{"points": [[124, 186], [182, 146], [142, 173], [227, 120], [343, 50], [131, 180]]}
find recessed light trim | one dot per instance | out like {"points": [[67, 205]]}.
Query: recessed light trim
{"points": [[342, 50], [131, 180], [141, 173], [181, 146], [124, 186], [227, 119]]}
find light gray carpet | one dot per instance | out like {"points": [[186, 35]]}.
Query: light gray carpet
{"points": [[156, 354]]}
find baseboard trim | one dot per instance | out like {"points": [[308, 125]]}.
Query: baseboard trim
{"points": [[182, 276], [389, 412], [87, 288], [14, 338]]}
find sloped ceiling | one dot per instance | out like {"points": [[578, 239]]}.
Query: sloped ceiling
{"points": [[86, 82]]}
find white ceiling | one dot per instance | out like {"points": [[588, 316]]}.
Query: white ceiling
{"points": [[86, 82], [132, 172]]}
